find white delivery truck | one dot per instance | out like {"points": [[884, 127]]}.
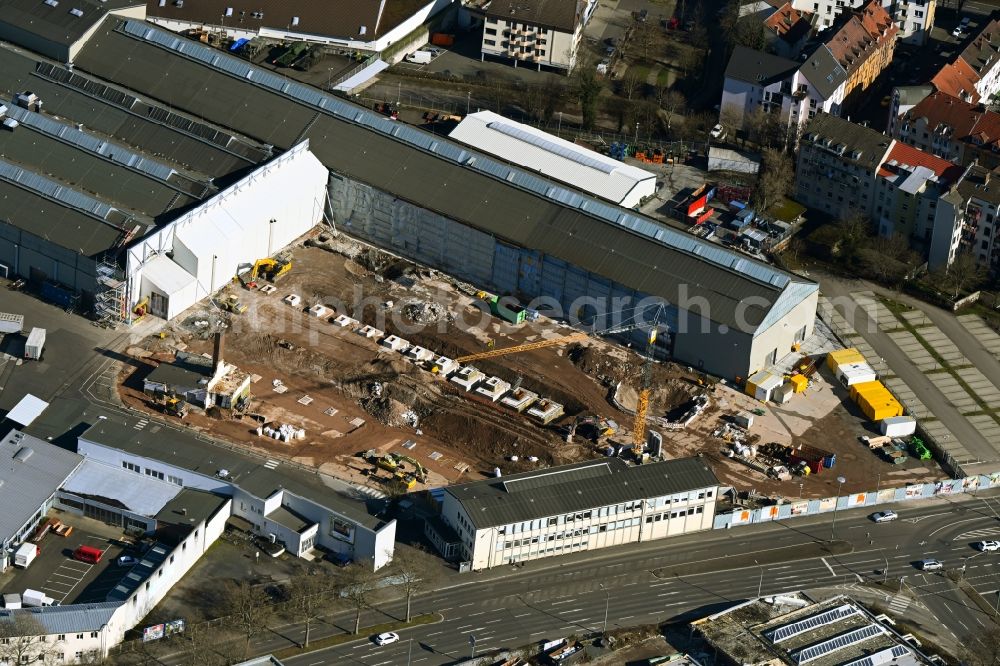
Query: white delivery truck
{"points": [[34, 598], [25, 555], [36, 341], [420, 57]]}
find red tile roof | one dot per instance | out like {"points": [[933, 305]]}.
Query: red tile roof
{"points": [[958, 80], [946, 171], [858, 37]]}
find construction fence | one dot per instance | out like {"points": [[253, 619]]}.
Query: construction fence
{"points": [[811, 507]]}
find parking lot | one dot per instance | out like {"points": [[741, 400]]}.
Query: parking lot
{"points": [[64, 579]]}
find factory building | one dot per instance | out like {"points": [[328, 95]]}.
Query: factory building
{"points": [[572, 508]]}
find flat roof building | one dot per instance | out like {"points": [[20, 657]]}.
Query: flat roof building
{"points": [[794, 630], [561, 160], [584, 506], [59, 32]]}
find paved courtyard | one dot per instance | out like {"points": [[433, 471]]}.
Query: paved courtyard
{"points": [[944, 369]]}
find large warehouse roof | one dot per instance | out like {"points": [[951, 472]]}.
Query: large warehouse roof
{"points": [[570, 488], [508, 202], [57, 22], [31, 470], [552, 156], [100, 165]]}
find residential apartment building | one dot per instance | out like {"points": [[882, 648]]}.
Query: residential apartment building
{"points": [[903, 99], [572, 508], [908, 185], [788, 30], [974, 75], [953, 129], [843, 65], [912, 18], [540, 33], [837, 166], [968, 218]]}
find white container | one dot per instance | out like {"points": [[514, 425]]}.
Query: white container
{"points": [[898, 426], [850, 374], [34, 598], [33, 347], [12, 601], [743, 419], [25, 555]]}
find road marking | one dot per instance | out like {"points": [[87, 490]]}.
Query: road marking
{"points": [[667, 594], [787, 566], [475, 614], [445, 609], [464, 605], [536, 633], [832, 572], [523, 615], [436, 633], [567, 601], [495, 621], [627, 617], [574, 610], [464, 626], [952, 524]]}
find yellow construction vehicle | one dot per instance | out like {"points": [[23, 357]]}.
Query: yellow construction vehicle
{"points": [[271, 268], [174, 405], [232, 304], [404, 479], [381, 460], [419, 471], [565, 339], [645, 388]]}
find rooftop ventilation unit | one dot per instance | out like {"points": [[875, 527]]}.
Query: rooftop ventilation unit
{"points": [[52, 3], [76, 12]]}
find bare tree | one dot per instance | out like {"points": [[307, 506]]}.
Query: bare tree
{"points": [[359, 587], [673, 103], [24, 639], [248, 607], [962, 274], [311, 595], [774, 180], [203, 646], [414, 570], [645, 37], [532, 100], [852, 231], [630, 85]]}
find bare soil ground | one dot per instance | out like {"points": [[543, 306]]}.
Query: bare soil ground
{"points": [[351, 394]]}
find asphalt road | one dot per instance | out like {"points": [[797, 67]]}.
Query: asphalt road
{"points": [[552, 599]]}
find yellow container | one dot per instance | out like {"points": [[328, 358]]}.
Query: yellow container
{"points": [[799, 383], [839, 356], [865, 387]]}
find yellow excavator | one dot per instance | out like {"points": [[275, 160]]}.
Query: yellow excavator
{"points": [[271, 268]]}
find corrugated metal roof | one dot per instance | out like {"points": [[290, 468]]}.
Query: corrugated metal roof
{"points": [[116, 486], [570, 488], [510, 203], [75, 619], [25, 486], [54, 22]]}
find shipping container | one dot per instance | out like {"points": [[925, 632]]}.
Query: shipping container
{"points": [[762, 384], [850, 374], [442, 39], [898, 426], [869, 388], [850, 355], [36, 342]]}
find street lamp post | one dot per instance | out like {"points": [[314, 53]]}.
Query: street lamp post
{"points": [[885, 572], [637, 135], [607, 604], [760, 583], [472, 644], [468, 102], [409, 651], [559, 131], [836, 503]]}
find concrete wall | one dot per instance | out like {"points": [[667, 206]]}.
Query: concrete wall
{"points": [[714, 349], [947, 234]]}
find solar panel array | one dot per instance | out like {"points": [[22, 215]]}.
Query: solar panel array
{"points": [[812, 652], [881, 657], [70, 134], [787, 631], [613, 214], [53, 190], [551, 146]]}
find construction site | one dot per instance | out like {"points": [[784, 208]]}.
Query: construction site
{"points": [[342, 357]]}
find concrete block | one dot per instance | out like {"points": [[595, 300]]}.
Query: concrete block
{"points": [[371, 332], [396, 344], [467, 377], [293, 299], [519, 399], [345, 322], [546, 410], [493, 388], [319, 311]]}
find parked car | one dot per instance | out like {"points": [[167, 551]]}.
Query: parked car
{"points": [[718, 132], [884, 516], [965, 22], [930, 565], [988, 546], [958, 32], [126, 560], [386, 638]]}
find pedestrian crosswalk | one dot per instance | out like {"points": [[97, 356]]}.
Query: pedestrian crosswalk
{"points": [[271, 464], [985, 532], [140, 424], [370, 492], [899, 604]]}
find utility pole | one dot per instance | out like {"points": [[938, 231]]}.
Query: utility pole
{"points": [[468, 101], [472, 643], [607, 604], [836, 503], [760, 583]]}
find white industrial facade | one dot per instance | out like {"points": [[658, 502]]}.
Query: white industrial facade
{"points": [[578, 507], [201, 251], [556, 158]]}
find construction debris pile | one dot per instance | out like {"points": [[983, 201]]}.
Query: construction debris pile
{"points": [[284, 432], [691, 411], [424, 312]]}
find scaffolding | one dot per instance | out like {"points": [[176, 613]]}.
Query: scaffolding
{"points": [[111, 299]]}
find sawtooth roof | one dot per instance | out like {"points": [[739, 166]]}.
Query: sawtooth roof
{"points": [[31, 470], [340, 19], [431, 172], [570, 488]]}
